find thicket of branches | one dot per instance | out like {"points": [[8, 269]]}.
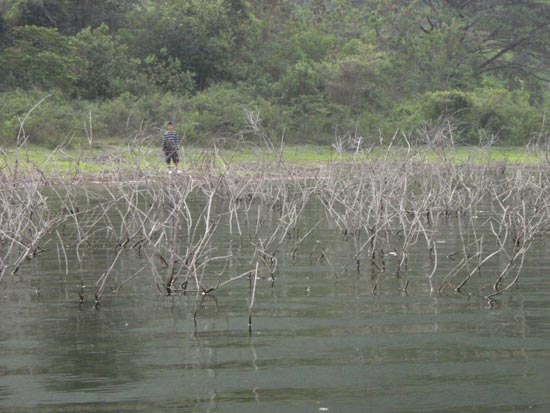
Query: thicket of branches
{"points": [[441, 228]]}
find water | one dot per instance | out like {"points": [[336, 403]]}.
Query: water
{"points": [[320, 342]]}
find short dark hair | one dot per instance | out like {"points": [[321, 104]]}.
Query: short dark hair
{"points": [[170, 123]]}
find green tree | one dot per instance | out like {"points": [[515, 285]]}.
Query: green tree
{"points": [[166, 73], [5, 38], [360, 81], [508, 36], [45, 13], [300, 80], [104, 68], [202, 36], [39, 57], [69, 16], [82, 14]]}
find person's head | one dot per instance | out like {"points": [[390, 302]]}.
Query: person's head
{"points": [[170, 126]]}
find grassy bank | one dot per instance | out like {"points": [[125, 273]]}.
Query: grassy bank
{"points": [[109, 160]]}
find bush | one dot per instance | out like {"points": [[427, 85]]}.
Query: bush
{"points": [[221, 112], [58, 118], [299, 80], [453, 104], [49, 124], [358, 81], [505, 115]]}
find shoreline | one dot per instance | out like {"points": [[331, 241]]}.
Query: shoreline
{"points": [[116, 165]]}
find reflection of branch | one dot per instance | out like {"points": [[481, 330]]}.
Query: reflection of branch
{"points": [[497, 284], [100, 283], [252, 299], [301, 240]]}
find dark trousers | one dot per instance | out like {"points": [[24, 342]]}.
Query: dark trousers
{"points": [[171, 155]]}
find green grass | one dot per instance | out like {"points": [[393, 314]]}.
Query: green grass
{"points": [[112, 159], [516, 155]]}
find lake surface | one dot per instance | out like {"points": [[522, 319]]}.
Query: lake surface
{"points": [[321, 341]]}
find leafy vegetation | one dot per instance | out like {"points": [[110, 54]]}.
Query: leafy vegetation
{"points": [[311, 71]]}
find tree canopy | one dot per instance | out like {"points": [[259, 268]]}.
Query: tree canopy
{"points": [[311, 68]]}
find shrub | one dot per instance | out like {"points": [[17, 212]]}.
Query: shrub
{"points": [[221, 112], [49, 124], [505, 115], [299, 80]]}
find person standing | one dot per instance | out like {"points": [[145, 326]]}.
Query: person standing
{"points": [[170, 144]]}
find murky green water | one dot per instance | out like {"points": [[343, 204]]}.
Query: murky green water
{"points": [[319, 342]]}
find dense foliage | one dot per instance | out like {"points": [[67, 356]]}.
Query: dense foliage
{"points": [[309, 70]]}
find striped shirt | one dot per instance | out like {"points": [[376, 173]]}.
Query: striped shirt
{"points": [[170, 140]]}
